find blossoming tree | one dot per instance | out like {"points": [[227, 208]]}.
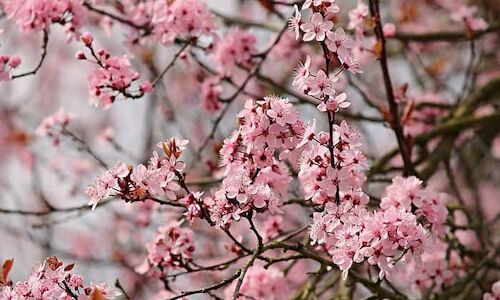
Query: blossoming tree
{"points": [[183, 149]]}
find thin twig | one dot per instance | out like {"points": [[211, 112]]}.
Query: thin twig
{"points": [[42, 57]]}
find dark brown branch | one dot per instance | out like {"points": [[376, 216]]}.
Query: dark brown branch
{"points": [[82, 145], [50, 211], [114, 17], [393, 106], [209, 288], [45, 44], [170, 65]]}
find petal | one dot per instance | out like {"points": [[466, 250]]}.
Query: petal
{"points": [[320, 36], [309, 36], [307, 64], [317, 18]]}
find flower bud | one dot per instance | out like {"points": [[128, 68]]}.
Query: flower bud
{"points": [[87, 39]]}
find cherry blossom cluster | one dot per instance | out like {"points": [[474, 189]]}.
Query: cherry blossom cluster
{"points": [[162, 174], [261, 283], [408, 195], [172, 248], [38, 15], [345, 228], [7, 64], [185, 19], [141, 14], [52, 279], [159, 178], [168, 21], [235, 48], [283, 207], [53, 126], [495, 292], [352, 234], [319, 27], [331, 172], [113, 77], [434, 271], [106, 183], [321, 87], [326, 179], [256, 174]]}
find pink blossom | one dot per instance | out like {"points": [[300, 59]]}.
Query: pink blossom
{"points": [[331, 8], [146, 87], [261, 284], [351, 64], [104, 290], [389, 30], [38, 15], [302, 73], [172, 248], [339, 42], [321, 85], [105, 183], [181, 19], [295, 22], [254, 179], [357, 16], [334, 104], [87, 38], [48, 280], [7, 63], [495, 292], [235, 47], [316, 28], [113, 77]]}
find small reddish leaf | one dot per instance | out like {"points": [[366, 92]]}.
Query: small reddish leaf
{"points": [[267, 4], [69, 267], [97, 294], [53, 263], [6, 267], [437, 67], [377, 49], [386, 115], [408, 111]]}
